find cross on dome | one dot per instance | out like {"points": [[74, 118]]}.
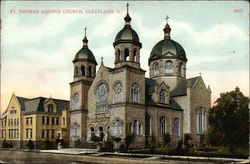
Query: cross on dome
{"points": [[167, 17]]}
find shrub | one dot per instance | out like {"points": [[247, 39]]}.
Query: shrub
{"points": [[187, 137], [10, 145], [166, 138], [5, 144], [129, 139], [48, 144], [108, 145], [30, 144], [180, 150]]}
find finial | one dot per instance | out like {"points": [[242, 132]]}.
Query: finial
{"points": [[200, 73], [127, 7], [50, 96], [85, 40], [167, 17], [101, 60], [127, 17], [167, 29], [85, 29]]}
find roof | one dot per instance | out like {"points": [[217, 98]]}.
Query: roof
{"points": [[167, 45], [150, 89], [36, 104], [21, 101], [181, 88], [86, 54]]}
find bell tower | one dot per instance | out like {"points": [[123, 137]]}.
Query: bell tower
{"points": [[127, 45], [84, 74]]}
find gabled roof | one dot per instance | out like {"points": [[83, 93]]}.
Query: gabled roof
{"points": [[149, 89], [181, 88], [37, 104]]}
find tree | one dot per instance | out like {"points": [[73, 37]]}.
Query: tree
{"points": [[228, 120], [166, 138]]}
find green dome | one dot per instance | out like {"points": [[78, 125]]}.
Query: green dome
{"points": [[165, 46], [127, 34], [85, 54]]}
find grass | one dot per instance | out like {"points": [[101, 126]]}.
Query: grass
{"points": [[201, 152]]}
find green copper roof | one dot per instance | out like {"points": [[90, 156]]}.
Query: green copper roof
{"points": [[127, 33], [165, 46], [85, 53]]}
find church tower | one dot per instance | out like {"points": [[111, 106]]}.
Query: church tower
{"points": [[127, 46], [167, 61], [84, 74]]}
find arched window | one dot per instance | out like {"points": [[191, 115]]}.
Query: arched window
{"points": [[156, 69], [118, 92], [101, 134], [162, 125], [116, 128], [101, 98], [118, 55], [163, 95], [168, 68], [126, 54], [135, 127], [176, 127], [83, 70], [148, 124], [50, 108], [89, 71], [135, 92], [92, 133], [76, 70], [130, 127], [201, 120], [134, 56], [140, 129], [181, 70], [101, 93]]}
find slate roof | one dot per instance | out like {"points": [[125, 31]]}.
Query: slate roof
{"points": [[181, 88], [149, 89], [21, 101], [36, 104]]}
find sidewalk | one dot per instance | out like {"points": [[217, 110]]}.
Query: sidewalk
{"points": [[94, 152]]}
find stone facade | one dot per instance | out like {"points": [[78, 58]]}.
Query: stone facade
{"points": [[121, 100]]}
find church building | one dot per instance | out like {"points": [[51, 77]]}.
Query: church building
{"points": [[121, 100]]}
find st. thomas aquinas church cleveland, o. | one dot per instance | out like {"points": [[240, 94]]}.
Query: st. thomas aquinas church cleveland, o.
{"points": [[121, 100]]}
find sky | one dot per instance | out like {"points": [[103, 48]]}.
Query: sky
{"points": [[38, 43]]}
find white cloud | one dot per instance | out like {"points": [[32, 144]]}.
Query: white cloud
{"points": [[13, 32]]}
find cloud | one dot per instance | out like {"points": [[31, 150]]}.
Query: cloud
{"points": [[15, 32]]}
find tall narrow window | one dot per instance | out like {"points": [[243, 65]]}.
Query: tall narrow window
{"points": [[126, 54], [168, 68], [101, 134], [92, 132], [140, 129], [163, 94], [30, 133], [135, 92], [148, 124], [48, 120], [64, 121], [50, 108], [201, 120], [176, 127], [162, 125], [156, 69], [118, 92], [134, 56], [57, 120], [27, 133], [118, 55], [43, 120], [43, 134], [116, 128], [89, 71], [83, 70], [47, 134], [52, 133]]}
